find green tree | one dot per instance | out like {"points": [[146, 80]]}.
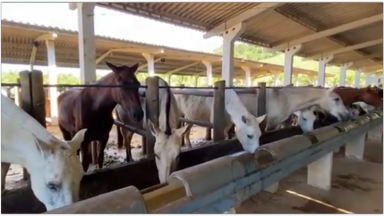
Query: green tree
{"points": [[249, 52]]}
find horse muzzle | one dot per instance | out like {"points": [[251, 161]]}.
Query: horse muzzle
{"points": [[137, 114]]}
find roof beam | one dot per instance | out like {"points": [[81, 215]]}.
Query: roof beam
{"points": [[346, 49], [372, 68], [332, 31], [252, 12], [182, 68]]}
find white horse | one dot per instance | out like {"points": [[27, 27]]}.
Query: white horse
{"points": [[53, 165], [168, 135], [280, 103], [201, 109]]}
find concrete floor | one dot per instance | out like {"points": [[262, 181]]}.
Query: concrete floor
{"points": [[357, 187]]}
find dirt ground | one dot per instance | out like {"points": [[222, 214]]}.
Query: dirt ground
{"points": [[357, 186]]}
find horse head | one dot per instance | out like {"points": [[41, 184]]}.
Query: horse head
{"points": [[332, 103], [167, 149], [306, 119], [128, 95], [248, 132], [56, 182], [372, 97]]}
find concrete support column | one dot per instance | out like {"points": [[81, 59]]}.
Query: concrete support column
{"points": [[275, 79], [343, 73], [229, 37], [322, 66], [196, 80], [169, 79], [296, 82], [208, 65], [248, 79], [355, 148], [288, 63], [151, 63], [87, 50], [52, 76], [357, 78], [368, 79], [320, 172]]}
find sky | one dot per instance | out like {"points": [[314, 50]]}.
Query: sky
{"points": [[107, 23]]}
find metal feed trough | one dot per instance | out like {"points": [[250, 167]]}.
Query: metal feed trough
{"points": [[216, 186]]}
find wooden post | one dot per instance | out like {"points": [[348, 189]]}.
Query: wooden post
{"points": [[219, 111], [25, 101], [152, 113], [38, 97], [261, 99]]}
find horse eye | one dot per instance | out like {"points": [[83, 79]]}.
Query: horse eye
{"points": [[250, 136], [53, 186], [337, 99], [304, 119]]}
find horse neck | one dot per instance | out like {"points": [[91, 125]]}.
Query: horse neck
{"points": [[301, 98], [25, 151], [350, 96], [173, 119], [234, 107], [102, 98]]}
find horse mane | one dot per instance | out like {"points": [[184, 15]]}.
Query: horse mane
{"points": [[167, 112]]}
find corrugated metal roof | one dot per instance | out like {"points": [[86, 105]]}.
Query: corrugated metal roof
{"points": [[286, 22], [17, 39]]}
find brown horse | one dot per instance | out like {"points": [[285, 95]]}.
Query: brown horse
{"points": [[92, 108], [367, 95]]}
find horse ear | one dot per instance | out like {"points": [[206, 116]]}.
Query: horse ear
{"points": [[261, 118], [181, 131], [297, 113], [113, 67], [154, 129], [75, 143], [330, 90], [134, 68]]}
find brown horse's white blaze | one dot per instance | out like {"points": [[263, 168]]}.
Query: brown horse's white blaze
{"points": [[53, 165]]}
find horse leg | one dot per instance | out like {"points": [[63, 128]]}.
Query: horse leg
{"points": [[102, 144], [187, 141], [4, 171], [208, 134], [66, 134], [127, 142], [85, 155]]}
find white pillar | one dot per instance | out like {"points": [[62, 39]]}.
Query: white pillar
{"points": [[288, 63], [355, 147], [343, 73], [248, 79], [52, 77], [296, 83], [368, 79], [87, 50], [229, 37], [208, 66], [376, 79], [357, 78], [196, 80], [322, 65], [150, 64], [275, 79], [320, 172]]}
